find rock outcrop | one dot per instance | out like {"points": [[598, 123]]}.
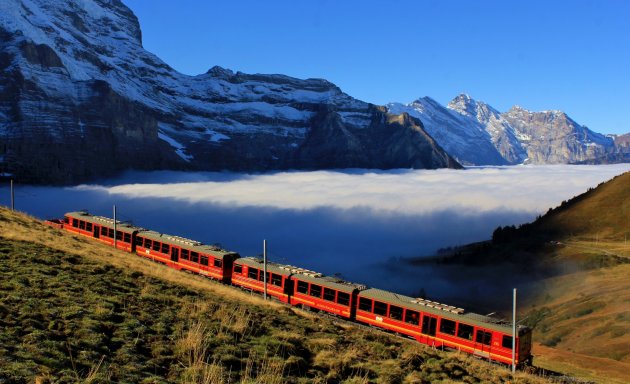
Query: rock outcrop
{"points": [[81, 98]]}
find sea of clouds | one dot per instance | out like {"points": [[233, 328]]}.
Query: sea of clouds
{"points": [[361, 224]]}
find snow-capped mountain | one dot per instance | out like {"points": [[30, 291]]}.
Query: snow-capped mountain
{"points": [[80, 97], [477, 134], [463, 137]]}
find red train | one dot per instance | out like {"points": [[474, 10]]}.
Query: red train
{"points": [[428, 322]]}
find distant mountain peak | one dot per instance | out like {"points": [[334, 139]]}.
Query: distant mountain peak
{"points": [[467, 106], [518, 135], [519, 109], [218, 71]]}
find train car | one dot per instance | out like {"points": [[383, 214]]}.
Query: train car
{"points": [[55, 223], [185, 254], [101, 228], [248, 273], [315, 291], [441, 325], [426, 321]]}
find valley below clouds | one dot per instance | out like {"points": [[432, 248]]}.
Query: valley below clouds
{"points": [[361, 224]]}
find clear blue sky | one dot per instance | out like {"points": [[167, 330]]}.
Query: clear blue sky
{"points": [[567, 55]]}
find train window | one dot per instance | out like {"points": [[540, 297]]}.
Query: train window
{"points": [[119, 235], [88, 227], [506, 342], [204, 260], [238, 268], [139, 240], [302, 287], [218, 263], [127, 238], [75, 223], [185, 254], [329, 294], [194, 257], [156, 246], [111, 233], [66, 219], [447, 326], [365, 304], [261, 276], [395, 312], [276, 279], [483, 337], [412, 317], [465, 331], [164, 248], [380, 308], [82, 225], [103, 231], [343, 298], [316, 290], [253, 273]]}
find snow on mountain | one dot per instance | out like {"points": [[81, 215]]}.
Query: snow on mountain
{"points": [[468, 128], [74, 75], [462, 137]]}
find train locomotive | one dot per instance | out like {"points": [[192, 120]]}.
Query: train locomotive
{"points": [[431, 323]]}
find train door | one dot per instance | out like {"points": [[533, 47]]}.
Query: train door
{"points": [[174, 254], [429, 325], [483, 340]]}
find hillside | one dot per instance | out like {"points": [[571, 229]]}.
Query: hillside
{"points": [[571, 267], [74, 310]]}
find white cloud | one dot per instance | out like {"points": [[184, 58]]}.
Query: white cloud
{"points": [[358, 223], [530, 189]]}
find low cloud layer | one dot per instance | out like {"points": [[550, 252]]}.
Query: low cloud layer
{"points": [[356, 223], [407, 192]]}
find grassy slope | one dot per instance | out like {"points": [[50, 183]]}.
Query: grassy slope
{"points": [[74, 310], [587, 312], [574, 263]]}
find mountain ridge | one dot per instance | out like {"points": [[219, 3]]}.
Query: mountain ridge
{"points": [[77, 87], [517, 135]]}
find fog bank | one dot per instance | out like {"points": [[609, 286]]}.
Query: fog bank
{"points": [[357, 223]]}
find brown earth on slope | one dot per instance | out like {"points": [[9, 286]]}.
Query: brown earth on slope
{"points": [[572, 270]]}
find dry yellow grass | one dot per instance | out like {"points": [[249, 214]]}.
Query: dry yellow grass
{"points": [[344, 353], [588, 323], [598, 215], [33, 230], [604, 371]]}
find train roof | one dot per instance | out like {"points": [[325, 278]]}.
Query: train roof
{"points": [[302, 274], [257, 262], [323, 280], [438, 309], [103, 221], [191, 245]]}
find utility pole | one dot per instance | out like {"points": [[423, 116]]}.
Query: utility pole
{"points": [[115, 234], [12, 197], [265, 268], [514, 331]]}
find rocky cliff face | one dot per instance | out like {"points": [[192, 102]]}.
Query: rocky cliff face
{"points": [[80, 98], [552, 137], [477, 134], [462, 137]]}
